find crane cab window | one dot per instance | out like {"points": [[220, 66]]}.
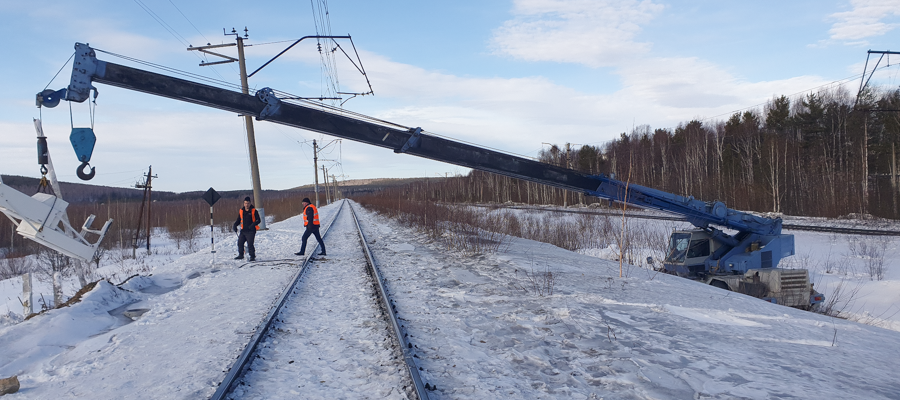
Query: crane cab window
{"points": [[699, 248], [678, 245]]}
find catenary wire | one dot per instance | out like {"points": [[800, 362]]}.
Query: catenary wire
{"points": [[188, 20], [162, 23]]}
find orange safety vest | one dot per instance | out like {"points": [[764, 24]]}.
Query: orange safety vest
{"points": [[315, 220], [252, 217]]}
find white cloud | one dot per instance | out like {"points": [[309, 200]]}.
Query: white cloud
{"points": [[864, 20], [657, 90], [591, 32], [517, 114]]}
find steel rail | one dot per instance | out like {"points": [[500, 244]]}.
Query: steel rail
{"points": [[389, 307], [793, 227], [243, 361]]}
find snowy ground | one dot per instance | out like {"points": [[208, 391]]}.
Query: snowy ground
{"points": [[330, 340], [839, 264], [479, 328]]}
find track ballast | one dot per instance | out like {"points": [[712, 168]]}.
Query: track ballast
{"points": [[333, 335]]}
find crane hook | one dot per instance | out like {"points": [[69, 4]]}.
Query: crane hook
{"points": [[81, 171]]}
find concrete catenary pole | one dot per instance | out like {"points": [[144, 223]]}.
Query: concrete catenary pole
{"points": [[325, 176], [316, 170], [251, 138]]}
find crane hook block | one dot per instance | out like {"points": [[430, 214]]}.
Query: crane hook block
{"points": [[83, 175], [43, 152], [83, 140]]}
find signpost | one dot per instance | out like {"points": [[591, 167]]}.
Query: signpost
{"points": [[211, 197]]}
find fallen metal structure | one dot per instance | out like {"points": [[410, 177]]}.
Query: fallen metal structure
{"points": [[42, 218]]}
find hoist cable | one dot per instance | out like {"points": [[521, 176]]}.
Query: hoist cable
{"points": [[60, 70], [175, 71]]}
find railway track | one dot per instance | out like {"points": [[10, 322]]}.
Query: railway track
{"points": [[332, 333], [794, 227]]}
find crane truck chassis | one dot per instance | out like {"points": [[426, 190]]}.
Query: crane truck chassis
{"points": [[745, 261]]}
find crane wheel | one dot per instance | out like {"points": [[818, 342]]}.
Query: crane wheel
{"points": [[719, 284]]}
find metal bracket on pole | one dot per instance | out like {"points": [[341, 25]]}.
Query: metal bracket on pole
{"points": [[413, 142], [273, 103]]}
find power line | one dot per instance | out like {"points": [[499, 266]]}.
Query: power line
{"points": [[189, 21], [162, 23], [172, 30], [838, 82], [322, 19]]}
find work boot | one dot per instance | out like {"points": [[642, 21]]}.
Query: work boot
{"points": [[252, 258], [299, 253], [323, 254], [240, 257]]}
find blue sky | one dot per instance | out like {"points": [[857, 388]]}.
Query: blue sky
{"points": [[509, 75]]}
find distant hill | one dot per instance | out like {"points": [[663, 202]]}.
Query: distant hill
{"points": [[77, 192], [87, 193], [360, 186]]}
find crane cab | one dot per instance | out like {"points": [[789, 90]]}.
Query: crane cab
{"points": [[688, 251], [699, 252]]}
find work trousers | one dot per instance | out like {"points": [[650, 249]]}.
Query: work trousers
{"points": [[246, 237], [312, 230]]}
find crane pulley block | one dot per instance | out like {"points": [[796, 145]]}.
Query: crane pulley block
{"points": [[83, 140]]}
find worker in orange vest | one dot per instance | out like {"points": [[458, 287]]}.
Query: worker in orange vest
{"points": [[248, 220], [311, 222]]}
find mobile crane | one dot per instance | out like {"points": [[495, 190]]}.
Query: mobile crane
{"points": [[745, 261]]}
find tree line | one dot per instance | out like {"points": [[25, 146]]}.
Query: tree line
{"points": [[824, 154]]}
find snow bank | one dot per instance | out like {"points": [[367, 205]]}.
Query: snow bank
{"points": [[46, 335], [478, 326]]}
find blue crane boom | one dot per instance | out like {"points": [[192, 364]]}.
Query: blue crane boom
{"points": [[757, 243]]}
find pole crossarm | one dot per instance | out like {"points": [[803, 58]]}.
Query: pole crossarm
{"points": [[294, 44], [863, 81], [205, 49]]}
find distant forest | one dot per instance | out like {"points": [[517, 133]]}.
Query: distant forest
{"points": [[823, 154]]}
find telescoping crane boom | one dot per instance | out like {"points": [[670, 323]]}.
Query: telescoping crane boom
{"points": [[758, 243]]}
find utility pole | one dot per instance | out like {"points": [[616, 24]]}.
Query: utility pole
{"points": [[566, 192], [248, 119], [325, 176], [316, 170], [148, 196], [251, 135], [316, 149], [334, 187]]}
